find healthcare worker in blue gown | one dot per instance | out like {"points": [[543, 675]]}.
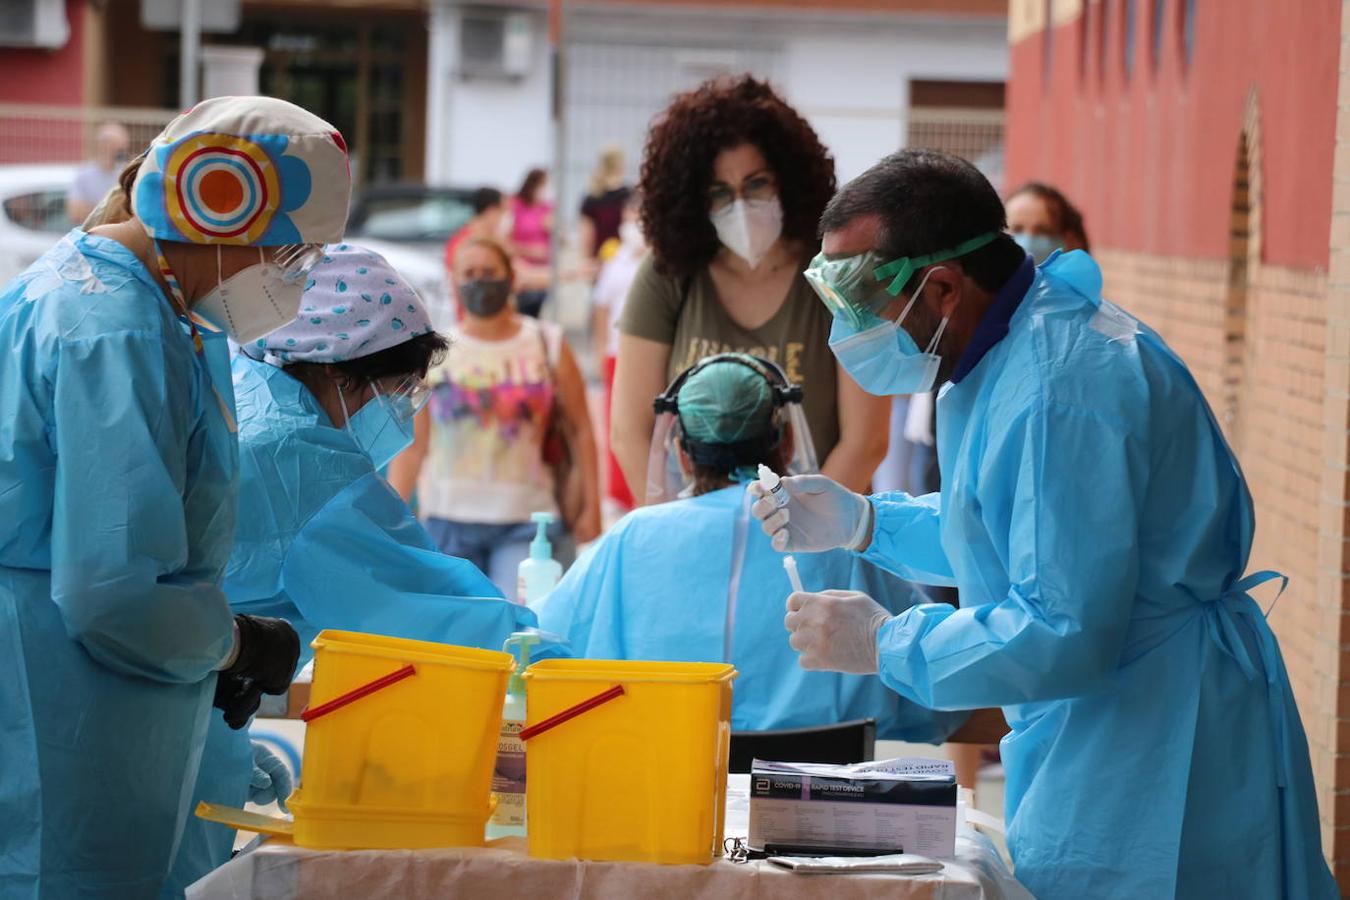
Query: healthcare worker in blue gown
{"points": [[118, 471], [1097, 527], [688, 580], [323, 541]]}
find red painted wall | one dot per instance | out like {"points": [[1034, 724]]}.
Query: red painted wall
{"points": [[47, 76], [1150, 160]]}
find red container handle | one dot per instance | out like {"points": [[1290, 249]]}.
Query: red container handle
{"points": [[365, 690], [572, 712]]}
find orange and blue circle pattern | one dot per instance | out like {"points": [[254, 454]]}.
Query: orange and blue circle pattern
{"points": [[220, 189]]}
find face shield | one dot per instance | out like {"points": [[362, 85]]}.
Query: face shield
{"points": [[847, 286], [667, 480], [855, 289]]}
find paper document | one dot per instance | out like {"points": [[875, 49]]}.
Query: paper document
{"points": [[895, 864]]}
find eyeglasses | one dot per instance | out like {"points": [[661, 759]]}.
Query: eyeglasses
{"points": [[407, 399], [297, 260], [756, 187]]}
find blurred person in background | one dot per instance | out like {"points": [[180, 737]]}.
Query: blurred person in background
{"points": [[479, 461], [602, 209], [531, 234], [733, 183], [1042, 220], [489, 220], [323, 541], [98, 175], [611, 289], [118, 468], [658, 585]]}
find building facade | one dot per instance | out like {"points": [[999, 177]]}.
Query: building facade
{"points": [[1208, 146], [362, 66], [870, 75], [461, 93]]}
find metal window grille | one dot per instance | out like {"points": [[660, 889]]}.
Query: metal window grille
{"points": [[32, 133]]}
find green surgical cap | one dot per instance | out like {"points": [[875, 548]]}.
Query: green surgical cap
{"points": [[726, 402]]}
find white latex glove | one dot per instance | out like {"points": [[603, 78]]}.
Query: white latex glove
{"points": [[820, 514], [835, 630]]}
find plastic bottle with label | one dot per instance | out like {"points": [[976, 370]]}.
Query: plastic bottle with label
{"points": [[508, 776]]}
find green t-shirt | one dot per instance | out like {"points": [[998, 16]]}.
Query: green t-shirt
{"points": [[688, 316]]}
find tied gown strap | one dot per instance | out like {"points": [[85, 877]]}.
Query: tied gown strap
{"points": [[1222, 619]]}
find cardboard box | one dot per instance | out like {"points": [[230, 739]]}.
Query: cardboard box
{"points": [[877, 808]]}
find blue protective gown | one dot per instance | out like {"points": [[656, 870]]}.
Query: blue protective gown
{"points": [[324, 542], [688, 581], [117, 498], [1098, 527]]}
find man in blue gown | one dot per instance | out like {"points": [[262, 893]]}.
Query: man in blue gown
{"points": [[1098, 528]]}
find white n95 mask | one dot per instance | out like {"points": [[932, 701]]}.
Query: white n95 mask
{"points": [[749, 228], [253, 302]]}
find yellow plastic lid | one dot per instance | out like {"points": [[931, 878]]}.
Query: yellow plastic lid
{"points": [[405, 650], [630, 671], [243, 820]]}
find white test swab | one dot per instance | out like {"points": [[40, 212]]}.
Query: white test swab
{"points": [[790, 566]]}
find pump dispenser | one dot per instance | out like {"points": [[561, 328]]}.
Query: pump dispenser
{"points": [[508, 778], [540, 572]]}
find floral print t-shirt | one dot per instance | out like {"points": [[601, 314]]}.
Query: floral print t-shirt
{"points": [[490, 407]]}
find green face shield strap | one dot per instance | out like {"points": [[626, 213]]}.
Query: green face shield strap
{"points": [[900, 270]]}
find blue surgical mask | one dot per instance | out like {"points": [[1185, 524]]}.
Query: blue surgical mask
{"points": [[383, 427], [882, 357], [1038, 246]]}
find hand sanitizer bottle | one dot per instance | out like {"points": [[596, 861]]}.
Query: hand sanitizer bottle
{"points": [[540, 572]]}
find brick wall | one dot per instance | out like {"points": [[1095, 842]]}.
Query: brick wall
{"points": [[1333, 559], [1214, 185], [1275, 414]]}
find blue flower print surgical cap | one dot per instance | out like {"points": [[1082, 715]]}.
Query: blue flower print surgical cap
{"points": [[251, 171], [354, 305]]}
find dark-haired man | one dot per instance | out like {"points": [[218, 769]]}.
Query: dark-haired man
{"points": [[1097, 527]]}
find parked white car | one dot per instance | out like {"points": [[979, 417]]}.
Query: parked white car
{"points": [[408, 224], [424, 271], [32, 213]]}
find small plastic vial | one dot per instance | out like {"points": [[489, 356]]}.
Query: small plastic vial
{"points": [[771, 482]]}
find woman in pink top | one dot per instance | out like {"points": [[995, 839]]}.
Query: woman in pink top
{"points": [[531, 228]]}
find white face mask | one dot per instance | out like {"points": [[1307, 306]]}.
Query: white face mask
{"points": [[749, 228], [253, 302], [630, 234]]}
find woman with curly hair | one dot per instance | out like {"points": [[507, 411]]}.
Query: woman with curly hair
{"points": [[733, 183]]}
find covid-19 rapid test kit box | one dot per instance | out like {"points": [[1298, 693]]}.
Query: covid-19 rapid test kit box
{"points": [[892, 806]]}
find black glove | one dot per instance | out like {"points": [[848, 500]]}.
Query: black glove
{"points": [[268, 652]]}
